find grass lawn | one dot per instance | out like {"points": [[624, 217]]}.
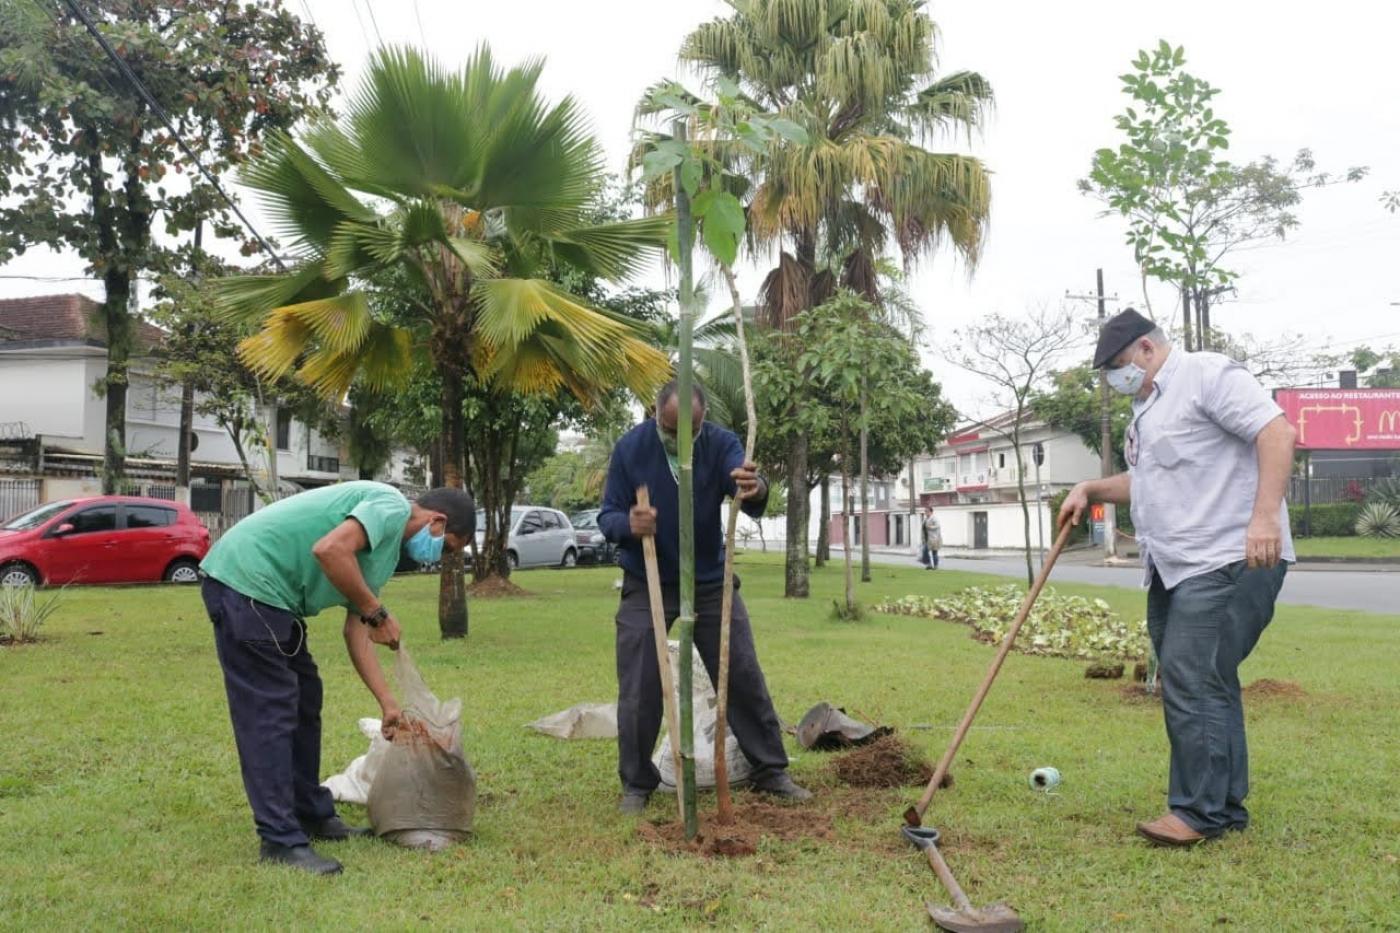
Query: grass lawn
{"points": [[121, 805], [1348, 547]]}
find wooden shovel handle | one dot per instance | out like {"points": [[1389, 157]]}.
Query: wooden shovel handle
{"points": [[663, 651], [914, 815]]}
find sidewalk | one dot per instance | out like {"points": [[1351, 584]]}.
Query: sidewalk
{"points": [[1092, 556]]}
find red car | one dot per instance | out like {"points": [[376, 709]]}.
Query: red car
{"points": [[107, 539]]}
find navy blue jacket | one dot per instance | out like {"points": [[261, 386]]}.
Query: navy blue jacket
{"points": [[640, 460]]}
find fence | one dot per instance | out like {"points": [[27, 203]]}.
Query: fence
{"points": [[1330, 489], [18, 496]]}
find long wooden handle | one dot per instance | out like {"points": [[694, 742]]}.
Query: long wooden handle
{"points": [[663, 651], [945, 875], [914, 815]]}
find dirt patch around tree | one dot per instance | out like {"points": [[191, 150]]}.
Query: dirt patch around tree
{"points": [[889, 761], [754, 821], [1263, 689], [1267, 689], [494, 586]]}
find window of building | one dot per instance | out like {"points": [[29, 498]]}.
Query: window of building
{"points": [[1001, 461], [284, 429]]}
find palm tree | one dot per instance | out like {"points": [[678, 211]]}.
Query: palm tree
{"points": [[473, 186], [859, 77]]}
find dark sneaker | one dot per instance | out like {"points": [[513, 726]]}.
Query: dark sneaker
{"points": [[633, 802], [334, 830], [302, 857], [779, 784]]}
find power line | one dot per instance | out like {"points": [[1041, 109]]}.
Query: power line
{"points": [[369, 7], [159, 111]]}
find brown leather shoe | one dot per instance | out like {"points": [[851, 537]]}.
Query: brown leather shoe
{"points": [[1169, 830]]}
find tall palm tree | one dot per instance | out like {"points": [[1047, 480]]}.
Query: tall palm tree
{"points": [[860, 77], [474, 186]]}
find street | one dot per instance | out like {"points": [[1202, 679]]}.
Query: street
{"points": [[1366, 590]]}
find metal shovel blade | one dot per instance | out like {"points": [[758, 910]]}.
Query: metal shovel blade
{"points": [[998, 918]]}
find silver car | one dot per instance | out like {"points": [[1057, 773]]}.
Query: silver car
{"points": [[539, 537]]}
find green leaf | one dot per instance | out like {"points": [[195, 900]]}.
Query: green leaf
{"points": [[724, 226], [691, 171], [787, 129]]}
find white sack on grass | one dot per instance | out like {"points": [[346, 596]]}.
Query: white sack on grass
{"points": [[582, 721], [352, 784], [703, 700]]}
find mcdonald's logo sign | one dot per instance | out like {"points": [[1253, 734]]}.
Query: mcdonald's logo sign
{"points": [[1388, 422]]}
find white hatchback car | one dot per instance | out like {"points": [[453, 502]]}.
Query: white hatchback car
{"points": [[539, 537]]}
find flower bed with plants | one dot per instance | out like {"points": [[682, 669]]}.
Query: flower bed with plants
{"points": [[1059, 626]]}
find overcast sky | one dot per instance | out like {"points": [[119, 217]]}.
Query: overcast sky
{"points": [[1291, 75]]}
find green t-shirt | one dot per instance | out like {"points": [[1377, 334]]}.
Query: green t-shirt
{"points": [[267, 556]]}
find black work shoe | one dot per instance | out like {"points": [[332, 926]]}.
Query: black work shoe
{"points": [[780, 784], [303, 857], [335, 830], [633, 802]]}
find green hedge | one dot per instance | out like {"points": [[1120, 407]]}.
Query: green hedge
{"points": [[1329, 520]]}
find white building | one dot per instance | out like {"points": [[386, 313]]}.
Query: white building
{"points": [[53, 355]]}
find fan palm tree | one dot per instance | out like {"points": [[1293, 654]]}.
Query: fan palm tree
{"points": [[474, 187], [859, 76]]}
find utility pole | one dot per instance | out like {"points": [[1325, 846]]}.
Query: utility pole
{"points": [[1106, 466]]}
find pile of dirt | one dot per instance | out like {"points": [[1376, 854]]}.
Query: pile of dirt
{"points": [[754, 820], [1104, 671], [1275, 690], [889, 761], [494, 586], [1137, 693]]}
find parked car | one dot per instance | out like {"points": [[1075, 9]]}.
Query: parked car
{"points": [[107, 539], [592, 546], [539, 537]]}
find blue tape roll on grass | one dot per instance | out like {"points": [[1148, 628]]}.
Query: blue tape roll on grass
{"points": [[1044, 779]]}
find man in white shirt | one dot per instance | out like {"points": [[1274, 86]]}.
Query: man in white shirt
{"points": [[1209, 454]]}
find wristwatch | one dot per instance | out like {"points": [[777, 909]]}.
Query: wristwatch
{"points": [[375, 617]]}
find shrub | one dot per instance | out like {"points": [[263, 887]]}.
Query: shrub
{"points": [[1058, 626], [1329, 519], [22, 614], [1386, 491], [1378, 520]]}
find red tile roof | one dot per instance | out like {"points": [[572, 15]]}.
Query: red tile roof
{"points": [[62, 317]]}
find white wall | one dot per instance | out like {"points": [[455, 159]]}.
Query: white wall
{"points": [[47, 394], [1005, 525]]}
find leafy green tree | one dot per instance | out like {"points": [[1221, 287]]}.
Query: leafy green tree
{"points": [[472, 186], [1187, 207], [562, 481], [1379, 368], [86, 165], [859, 79]]}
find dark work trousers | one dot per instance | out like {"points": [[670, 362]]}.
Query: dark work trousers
{"points": [[751, 718], [274, 700], [1201, 630]]}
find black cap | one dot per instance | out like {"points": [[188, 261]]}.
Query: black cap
{"points": [[1118, 332]]}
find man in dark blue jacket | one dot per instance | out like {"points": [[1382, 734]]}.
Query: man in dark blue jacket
{"points": [[646, 456]]}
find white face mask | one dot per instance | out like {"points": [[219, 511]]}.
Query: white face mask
{"points": [[1126, 379]]}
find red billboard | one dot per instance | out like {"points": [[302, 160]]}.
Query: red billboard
{"points": [[1343, 419]]}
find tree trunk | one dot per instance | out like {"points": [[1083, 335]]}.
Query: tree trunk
{"points": [[1203, 308], [824, 528], [846, 526], [797, 585], [864, 492], [182, 461], [1186, 317], [116, 319], [1025, 506], [452, 588]]}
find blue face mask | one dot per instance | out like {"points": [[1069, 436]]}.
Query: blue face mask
{"points": [[425, 548]]}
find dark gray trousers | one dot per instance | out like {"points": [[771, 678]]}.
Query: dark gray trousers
{"points": [[1202, 630], [751, 718], [274, 701]]}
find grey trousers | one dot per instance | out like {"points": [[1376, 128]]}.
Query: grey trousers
{"points": [[1202, 630], [751, 718]]}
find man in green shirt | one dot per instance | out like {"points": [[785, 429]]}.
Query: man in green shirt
{"points": [[335, 546]]}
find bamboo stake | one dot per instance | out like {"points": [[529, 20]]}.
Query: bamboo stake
{"points": [[724, 803]]}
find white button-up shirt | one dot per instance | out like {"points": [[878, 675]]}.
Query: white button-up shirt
{"points": [[1194, 466]]}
